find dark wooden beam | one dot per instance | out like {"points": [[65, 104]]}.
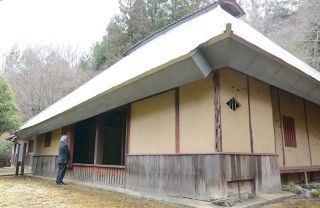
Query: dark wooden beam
{"points": [[217, 111], [17, 159], [98, 145], [300, 169], [273, 94], [23, 158], [307, 128], [127, 145], [249, 110], [281, 128], [197, 153], [124, 136], [177, 120]]}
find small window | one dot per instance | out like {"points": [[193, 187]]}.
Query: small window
{"points": [[233, 104], [47, 141], [289, 131], [31, 146]]}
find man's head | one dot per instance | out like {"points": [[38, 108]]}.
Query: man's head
{"points": [[64, 139]]}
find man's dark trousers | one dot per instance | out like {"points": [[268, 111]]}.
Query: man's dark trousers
{"points": [[61, 172]]}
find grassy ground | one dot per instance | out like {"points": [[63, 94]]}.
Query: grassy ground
{"points": [[35, 193]]}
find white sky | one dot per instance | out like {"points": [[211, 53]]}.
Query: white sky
{"points": [[76, 23]]}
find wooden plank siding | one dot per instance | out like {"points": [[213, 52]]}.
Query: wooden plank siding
{"points": [[264, 170], [44, 166], [201, 176], [47, 166], [196, 176], [111, 176]]}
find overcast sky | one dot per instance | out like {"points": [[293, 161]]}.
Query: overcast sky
{"points": [[78, 23]]}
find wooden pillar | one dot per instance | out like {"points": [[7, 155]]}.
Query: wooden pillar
{"points": [[23, 158], [124, 135], [128, 129], [249, 110], [306, 178], [17, 159], [281, 128], [98, 143], [307, 129], [13, 154], [177, 120], [273, 95], [217, 110]]}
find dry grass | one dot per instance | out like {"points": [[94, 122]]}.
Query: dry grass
{"points": [[33, 192], [40, 193]]}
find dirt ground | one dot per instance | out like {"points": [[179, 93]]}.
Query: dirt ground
{"points": [[296, 202], [12, 171], [35, 193]]}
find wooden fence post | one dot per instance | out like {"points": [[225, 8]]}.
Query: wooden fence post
{"points": [[23, 158], [17, 159]]}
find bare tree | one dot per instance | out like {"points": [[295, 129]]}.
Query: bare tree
{"points": [[293, 24], [40, 76]]}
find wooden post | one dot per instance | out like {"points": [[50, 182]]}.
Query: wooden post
{"points": [[13, 154], [273, 95], [177, 118], [127, 145], [250, 122], [17, 160], [217, 109], [281, 127], [123, 135], [98, 145], [306, 178], [23, 158], [307, 128]]}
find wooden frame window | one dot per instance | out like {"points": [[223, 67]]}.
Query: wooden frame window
{"points": [[30, 146], [289, 132], [47, 141]]}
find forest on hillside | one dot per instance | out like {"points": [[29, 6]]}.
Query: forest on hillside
{"points": [[39, 76]]}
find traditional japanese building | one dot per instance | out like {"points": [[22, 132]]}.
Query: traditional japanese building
{"points": [[206, 107]]}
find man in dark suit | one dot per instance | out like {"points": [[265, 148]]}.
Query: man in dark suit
{"points": [[63, 159]]}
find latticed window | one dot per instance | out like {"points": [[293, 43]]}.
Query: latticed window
{"points": [[233, 104], [289, 131]]}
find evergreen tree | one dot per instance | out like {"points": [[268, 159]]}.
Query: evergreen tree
{"points": [[9, 113], [5, 149], [137, 19]]}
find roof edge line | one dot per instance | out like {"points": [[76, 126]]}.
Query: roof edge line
{"points": [[272, 56]]}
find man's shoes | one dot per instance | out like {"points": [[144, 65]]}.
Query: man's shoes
{"points": [[59, 184], [64, 183]]}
